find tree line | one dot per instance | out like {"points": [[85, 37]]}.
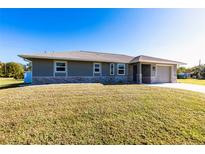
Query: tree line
{"points": [[12, 70], [196, 72]]}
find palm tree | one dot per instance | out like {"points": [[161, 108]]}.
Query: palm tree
{"points": [[199, 71]]}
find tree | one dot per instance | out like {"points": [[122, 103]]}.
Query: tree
{"points": [[199, 71], [2, 69], [14, 70], [202, 73], [181, 70], [184, 70]]}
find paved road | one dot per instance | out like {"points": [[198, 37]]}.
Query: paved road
{"points": [[192, 87]]}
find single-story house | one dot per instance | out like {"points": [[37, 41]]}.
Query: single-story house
{"points": [[92, 67], [184, 75]]}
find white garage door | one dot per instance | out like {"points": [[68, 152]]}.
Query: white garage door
{"points": [[163, 74]]}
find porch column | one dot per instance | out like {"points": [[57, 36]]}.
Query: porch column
{"points": [[139, 73]]}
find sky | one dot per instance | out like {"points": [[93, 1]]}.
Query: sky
{"points": [[176, 34]]}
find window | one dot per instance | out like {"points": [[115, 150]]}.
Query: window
{"points": [[60, 66], [97, 68], [120, 69], [112, 69]]}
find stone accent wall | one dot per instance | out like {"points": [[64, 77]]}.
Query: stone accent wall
{"points": [[81, 79], [130, 73]]}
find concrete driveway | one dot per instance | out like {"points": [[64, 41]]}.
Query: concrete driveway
{"points": [[192, 87]]}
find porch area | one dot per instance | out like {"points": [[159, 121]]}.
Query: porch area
{"points": [[154, 73]]}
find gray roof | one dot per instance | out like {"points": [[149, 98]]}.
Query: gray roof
{"points": [[82, 56], [97, 57], [143, 58]]}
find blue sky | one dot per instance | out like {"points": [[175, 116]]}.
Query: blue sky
{"points": [[177, 34]]}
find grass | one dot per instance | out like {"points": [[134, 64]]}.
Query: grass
{"points": [[101, 114], [9, 82], [192, 81]]}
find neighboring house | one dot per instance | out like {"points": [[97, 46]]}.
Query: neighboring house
{"points": [[88, 67], [183, 75]]}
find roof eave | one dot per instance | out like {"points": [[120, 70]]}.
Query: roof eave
{"points": [[28, 57], [72, 59], [159, 62], [164, 62]]}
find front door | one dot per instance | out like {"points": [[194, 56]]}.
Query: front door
{"points": [[146, 73], [135, 73]]}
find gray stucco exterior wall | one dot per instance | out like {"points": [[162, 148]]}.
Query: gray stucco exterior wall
{"points": [[130, 73], [44, 72], [42, 67], [105, 69], [45, 67], [77, 68]]}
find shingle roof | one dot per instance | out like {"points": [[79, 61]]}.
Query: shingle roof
{"points": [[143, 58], [98, 57], [83, 56]]}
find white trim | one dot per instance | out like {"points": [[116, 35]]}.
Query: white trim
{"points": [[31, 70], [100, 70], [127, 69], [113, 68], [140, 73], [66, 70], [120, 69], [164, 64], [155, 72]]}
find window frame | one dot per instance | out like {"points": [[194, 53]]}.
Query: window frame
{"points": [[99, 68], [111, 69], [120, 69], [55, 66]]}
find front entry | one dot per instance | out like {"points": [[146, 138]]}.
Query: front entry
{"points": [[142, 73], [146, 73], [135, 72]]}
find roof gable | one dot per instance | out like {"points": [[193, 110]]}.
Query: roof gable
{"points": [[143, 58]]}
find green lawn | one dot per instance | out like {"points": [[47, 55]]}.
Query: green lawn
{"points": [[101, 114], [9, 82], [192, 81]]}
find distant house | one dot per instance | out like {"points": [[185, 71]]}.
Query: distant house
{"points": [[184, 75], [92, 67]]}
